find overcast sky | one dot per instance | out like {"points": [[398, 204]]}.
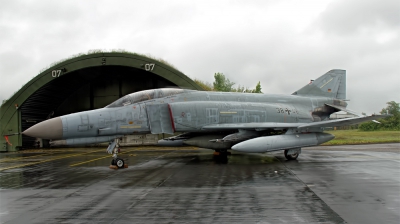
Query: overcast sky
{"points": [[283, 44]]}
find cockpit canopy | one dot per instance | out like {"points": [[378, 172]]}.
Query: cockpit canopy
{"points": [[145, 95]]}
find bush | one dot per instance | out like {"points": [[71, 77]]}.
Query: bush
{"points": [[369, 126], [391, 123]]}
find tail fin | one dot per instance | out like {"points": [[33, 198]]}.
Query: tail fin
{"points": [[332, 84]]}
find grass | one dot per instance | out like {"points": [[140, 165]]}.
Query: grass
{"points": [[354, 137]]}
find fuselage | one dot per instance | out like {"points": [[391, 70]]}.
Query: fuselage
{"points": [[247, 122], [189, 111]]}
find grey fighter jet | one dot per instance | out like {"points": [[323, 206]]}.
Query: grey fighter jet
{"points": [[221, 121]]}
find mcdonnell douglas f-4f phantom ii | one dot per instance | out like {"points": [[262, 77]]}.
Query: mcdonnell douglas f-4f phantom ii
{"points": [[246, 122]]}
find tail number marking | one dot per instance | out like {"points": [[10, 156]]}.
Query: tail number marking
{"points": [[280, 110]]}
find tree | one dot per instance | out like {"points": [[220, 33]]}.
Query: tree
{"points": [[222, 83], [392, 122], [258, 88], [242, 89], [239, 89]]}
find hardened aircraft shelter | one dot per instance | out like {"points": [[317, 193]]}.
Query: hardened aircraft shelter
{"points": [[82, 83]]}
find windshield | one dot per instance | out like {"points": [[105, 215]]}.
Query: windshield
{"points": [[145, 95]]}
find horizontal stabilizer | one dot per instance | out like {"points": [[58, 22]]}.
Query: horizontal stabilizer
{"points": [[345, 110]]}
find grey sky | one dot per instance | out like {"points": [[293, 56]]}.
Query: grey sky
{"points": [[282, 43]]}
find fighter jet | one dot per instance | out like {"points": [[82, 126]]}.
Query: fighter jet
{"points": [[245, 122]]}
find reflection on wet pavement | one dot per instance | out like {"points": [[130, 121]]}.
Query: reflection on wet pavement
{"points": [[191, 185]]}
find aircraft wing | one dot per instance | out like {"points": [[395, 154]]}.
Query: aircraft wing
{"points": [[341, 122], [276, 125]]}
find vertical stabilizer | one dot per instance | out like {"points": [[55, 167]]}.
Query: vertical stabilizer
{"points": [[332, 84]]}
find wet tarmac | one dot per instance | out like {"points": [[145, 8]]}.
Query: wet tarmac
{"points": [[189, 185]]}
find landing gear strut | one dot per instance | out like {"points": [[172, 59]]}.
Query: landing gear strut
{"points": [[292, 154], [116, 163], [221, 153], [221, 156]]}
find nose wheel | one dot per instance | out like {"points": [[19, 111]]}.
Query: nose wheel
{"points": [[118, 162]]}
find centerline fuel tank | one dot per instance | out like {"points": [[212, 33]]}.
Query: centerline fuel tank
{"points": [[281, 142]]}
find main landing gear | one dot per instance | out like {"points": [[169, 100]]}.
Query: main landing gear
{"points": [[221, 153], [292, 154], [116, 162], [221, 156]]}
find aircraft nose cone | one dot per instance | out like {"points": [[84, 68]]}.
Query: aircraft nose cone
{"points": [[48, 129]]}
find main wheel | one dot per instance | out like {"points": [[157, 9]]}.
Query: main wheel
{"points": [[119, 163], [292, 156], [113, 162]]}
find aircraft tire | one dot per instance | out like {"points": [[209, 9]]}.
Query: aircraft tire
{"points": [[119, 163], [113, 162], [291, 156]]}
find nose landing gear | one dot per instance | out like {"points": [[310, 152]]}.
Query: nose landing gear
{"points": [[116, 162]]}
